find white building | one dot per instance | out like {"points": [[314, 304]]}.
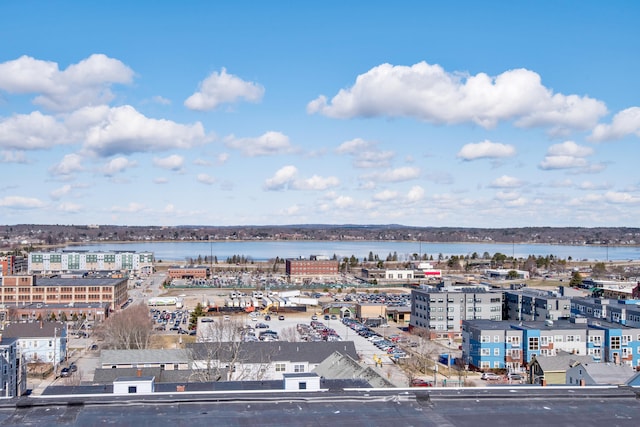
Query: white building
{"points": [[43, 342]]}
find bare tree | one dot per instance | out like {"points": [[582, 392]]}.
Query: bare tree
{"points": [[221, 354], [129, 329]]}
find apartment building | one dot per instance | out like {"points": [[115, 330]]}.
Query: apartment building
{"points": [[511, 345], [13, 375], [18, 291], [12, 264], [43, 342], [441, 313], [69, 261], [530, 305], [624, 312]]}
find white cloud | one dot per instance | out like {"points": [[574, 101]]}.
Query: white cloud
{"points": [[86, 83], [161, 100], [201, 162], [222, 158], [12, 157], [507, 195], [486, 150], [19, 202], [415, 194], [223, 88], [122, 130], [621, 198], [626, 122], [281, 179], [385, 196], [160, 180], [316, 183], [118, 165], [506, 181], [405, 173], [566, 155], [286, 177], [173, 162], [206, 179], [429, 93], [34, 131], [69, 164], [344, 202], [70, 207], [130, 208], [270, 143], [365, 153], [60, 192], [588, 185]]}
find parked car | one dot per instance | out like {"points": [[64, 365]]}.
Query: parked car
{"points": [[65, 372], [420, 383], [73, 367], [515, 377], [281, 317], [490, 376], [314, 317]]}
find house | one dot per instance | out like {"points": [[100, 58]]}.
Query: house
{"points": [[599, 374], [164, 359], [13, 375], [263, 360], [342, 366], [41, 342], [553, 369]]}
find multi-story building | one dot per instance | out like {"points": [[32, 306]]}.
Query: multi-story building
{"points": [[310, 268], [43, 342], [197, 272], [530, 304], [624, 312], [13, 376], [511, 345], [12, 264], [70, 261], [440, 313], [22, 290]]}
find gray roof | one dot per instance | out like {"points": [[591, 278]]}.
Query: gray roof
{"points": [[34, 329], [140, 357], [259, 352], [607, 373], [339, 366], [428, 407], [83, 281], [561, 362], [109, 375]]}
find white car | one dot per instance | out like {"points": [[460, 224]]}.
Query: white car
{"points": [[490, 376]]}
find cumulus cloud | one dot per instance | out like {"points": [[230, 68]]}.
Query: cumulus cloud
{"points": [[19, 202], [205, 179], [405, 173], [385, 196], [123, 130], [486, 150], [621, 198], [60, 192], [506, 181], [69, 164], [287, 178], [626, 122], [270, 143], [566, 155], [86, 83], [7, 156], [365, 153], [415, 194], [34, 131], [173, 162], [117, 165], [427, 92], [222, 88]]}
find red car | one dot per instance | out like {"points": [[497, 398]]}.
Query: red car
{"points": [[420, 383]]}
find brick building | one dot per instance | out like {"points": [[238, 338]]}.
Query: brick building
{"points": [[311, 268]]}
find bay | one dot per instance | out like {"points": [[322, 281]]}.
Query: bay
{"points": [[268, 250]]}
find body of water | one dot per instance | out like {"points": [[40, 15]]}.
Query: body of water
{"points": [[267, 250]]}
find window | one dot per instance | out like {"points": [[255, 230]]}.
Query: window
{"points": [[133, 389], [533, 343], [496, 352], [485, 338], [280, 367], [626, 339], [302, 385], [298, 368], [485, 352], [615, 343]]}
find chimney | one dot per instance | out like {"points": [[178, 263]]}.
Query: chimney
{"points": [[139, 373], [582, 382], [180, 388]]}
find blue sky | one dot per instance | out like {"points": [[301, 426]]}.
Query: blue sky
{"points": [[469, 114]]}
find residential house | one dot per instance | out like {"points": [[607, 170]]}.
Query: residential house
{"points": [[39, 342], [547, 370], [584, 374]]}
